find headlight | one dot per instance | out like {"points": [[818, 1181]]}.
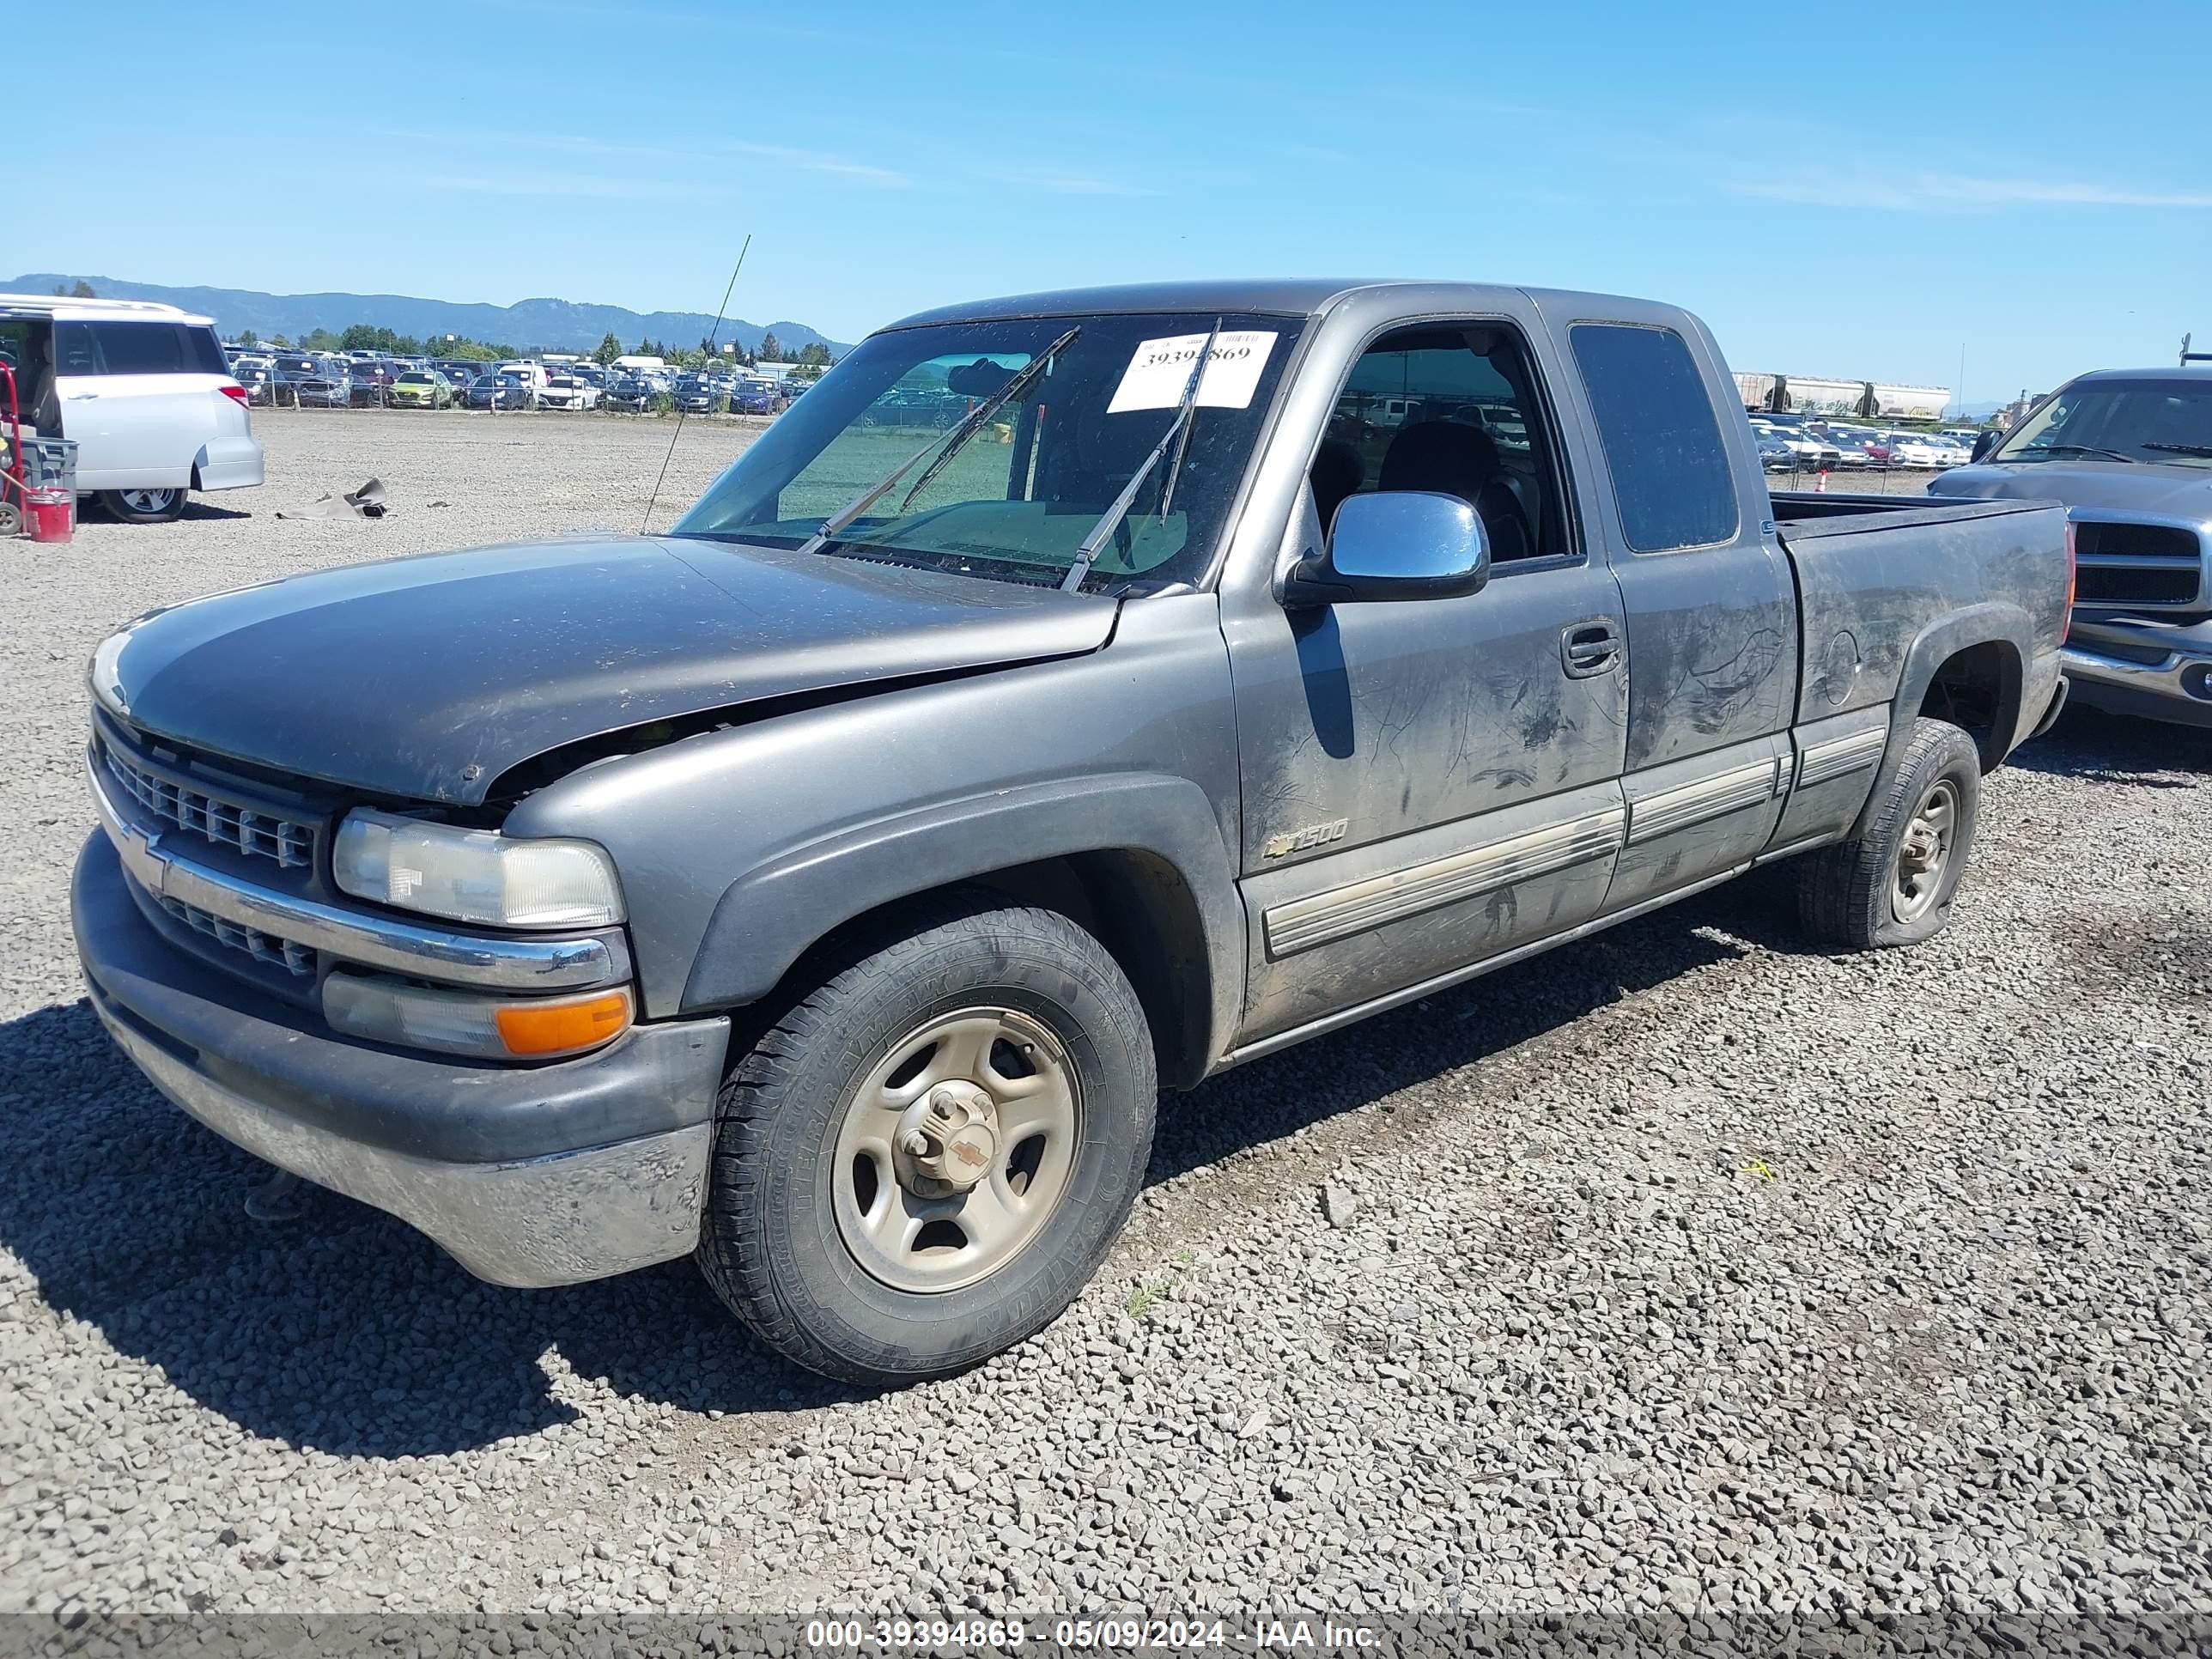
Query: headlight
{"points": [[476, 875]]}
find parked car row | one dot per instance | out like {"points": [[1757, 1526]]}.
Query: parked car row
{"points": [[1811, 444], [362, 379]]}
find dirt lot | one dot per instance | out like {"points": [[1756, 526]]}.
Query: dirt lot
{"points": [[1689, 1266]]}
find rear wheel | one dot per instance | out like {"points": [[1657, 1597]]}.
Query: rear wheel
{"points": [[926, 1155], [1893, 884], [143, 506]]}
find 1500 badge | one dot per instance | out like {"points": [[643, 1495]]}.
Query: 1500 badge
{"points": [[1301, 840]]}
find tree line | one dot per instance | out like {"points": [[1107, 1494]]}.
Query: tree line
{"points": [[368, 336]]}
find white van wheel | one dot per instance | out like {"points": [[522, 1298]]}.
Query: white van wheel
{"points": [[143, 506]]}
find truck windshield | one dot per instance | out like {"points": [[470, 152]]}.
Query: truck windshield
{"points": [[1016, 499], [2168, 422]]}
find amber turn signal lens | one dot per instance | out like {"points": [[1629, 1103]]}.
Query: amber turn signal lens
{"points": [[567, 1025]]}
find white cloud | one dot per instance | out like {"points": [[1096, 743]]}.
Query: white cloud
{"points": [[817, 161], [1051, 181], [527, 183], [1938, 192], [704, 153]]}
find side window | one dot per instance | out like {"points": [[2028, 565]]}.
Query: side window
{"points": [[141, 348], [1453, 409], [202, 351], [1663, 444], [74, 350]]}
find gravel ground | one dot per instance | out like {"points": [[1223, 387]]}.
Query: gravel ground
{"points": [[1687, 1268]]}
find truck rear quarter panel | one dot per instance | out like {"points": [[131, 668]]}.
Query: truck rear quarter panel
{"points": [[1888, 597]]}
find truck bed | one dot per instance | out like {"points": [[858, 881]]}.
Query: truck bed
{"points": [[1806, 514], [1874, 573]]}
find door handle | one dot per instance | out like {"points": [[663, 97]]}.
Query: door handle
{"points": [[1588, 649], [81, 397]]}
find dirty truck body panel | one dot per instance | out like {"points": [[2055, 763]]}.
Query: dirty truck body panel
{"points": [[1283, 813], [431, 678]]}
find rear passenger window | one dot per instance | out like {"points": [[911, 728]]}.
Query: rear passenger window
{"points": [[202, 351], [140, 349], [1662, 445]]}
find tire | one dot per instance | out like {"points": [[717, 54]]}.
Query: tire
{"points": [[144, 506], [1879, 889], [808, 1234]]}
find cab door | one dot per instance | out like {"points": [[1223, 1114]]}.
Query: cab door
{"points": [[1431, 782], [1712, 602]]}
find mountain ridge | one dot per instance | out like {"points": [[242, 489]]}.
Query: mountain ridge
{"points": [[550, 325]]}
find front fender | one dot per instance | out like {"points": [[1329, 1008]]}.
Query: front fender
{"points": [[769, 916], [739, 848]]}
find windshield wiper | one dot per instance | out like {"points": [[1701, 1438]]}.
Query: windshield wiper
{"points": [[1086, 550], [951, 442], [2074, 449], [2182, 449]]}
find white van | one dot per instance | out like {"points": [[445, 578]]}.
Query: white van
{"points": [[144, 393]]}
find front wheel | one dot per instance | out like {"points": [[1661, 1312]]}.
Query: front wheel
{"points": [[1893, 884], [143, 506], [925, 1158]]}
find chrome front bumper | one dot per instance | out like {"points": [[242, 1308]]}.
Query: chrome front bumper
{"points": [[529, 1175], [2175, 683], [559, 1219]]}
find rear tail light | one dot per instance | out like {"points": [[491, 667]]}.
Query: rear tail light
{"points": [[234, 391]]}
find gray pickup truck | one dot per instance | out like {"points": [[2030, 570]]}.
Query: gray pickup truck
{"points": [[2129, 452], [1073, 694]]}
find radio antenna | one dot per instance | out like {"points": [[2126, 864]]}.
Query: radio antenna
{"points": [[712, 335]]}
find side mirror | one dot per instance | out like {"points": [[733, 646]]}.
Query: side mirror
{"points": [[1394, 544], [1985, 441]]}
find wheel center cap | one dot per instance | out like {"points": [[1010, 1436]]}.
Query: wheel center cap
{"points": [[947, 1140]]}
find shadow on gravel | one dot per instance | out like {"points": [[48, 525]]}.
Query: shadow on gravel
{"points": [[195, 511], [345, 1331], [2100, 748], [1284, 1093]]}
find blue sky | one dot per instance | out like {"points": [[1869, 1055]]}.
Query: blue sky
{"points": [[1858, 190]]}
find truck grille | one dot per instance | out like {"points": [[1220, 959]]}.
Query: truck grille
{"points": [[2147, 566], [262, 947], [290, 842]]}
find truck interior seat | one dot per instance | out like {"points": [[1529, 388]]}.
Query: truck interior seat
{"points": [[1337, 471], [1456, 459]]}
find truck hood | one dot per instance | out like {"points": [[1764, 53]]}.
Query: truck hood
{"points": [[427, 678], [2185, 492]]}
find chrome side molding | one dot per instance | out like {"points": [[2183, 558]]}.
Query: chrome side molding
{"points": [[1852, 752], [1717, 796], [1362, 906]]}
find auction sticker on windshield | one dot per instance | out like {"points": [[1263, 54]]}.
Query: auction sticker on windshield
{"points": [[1160, 369]]}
